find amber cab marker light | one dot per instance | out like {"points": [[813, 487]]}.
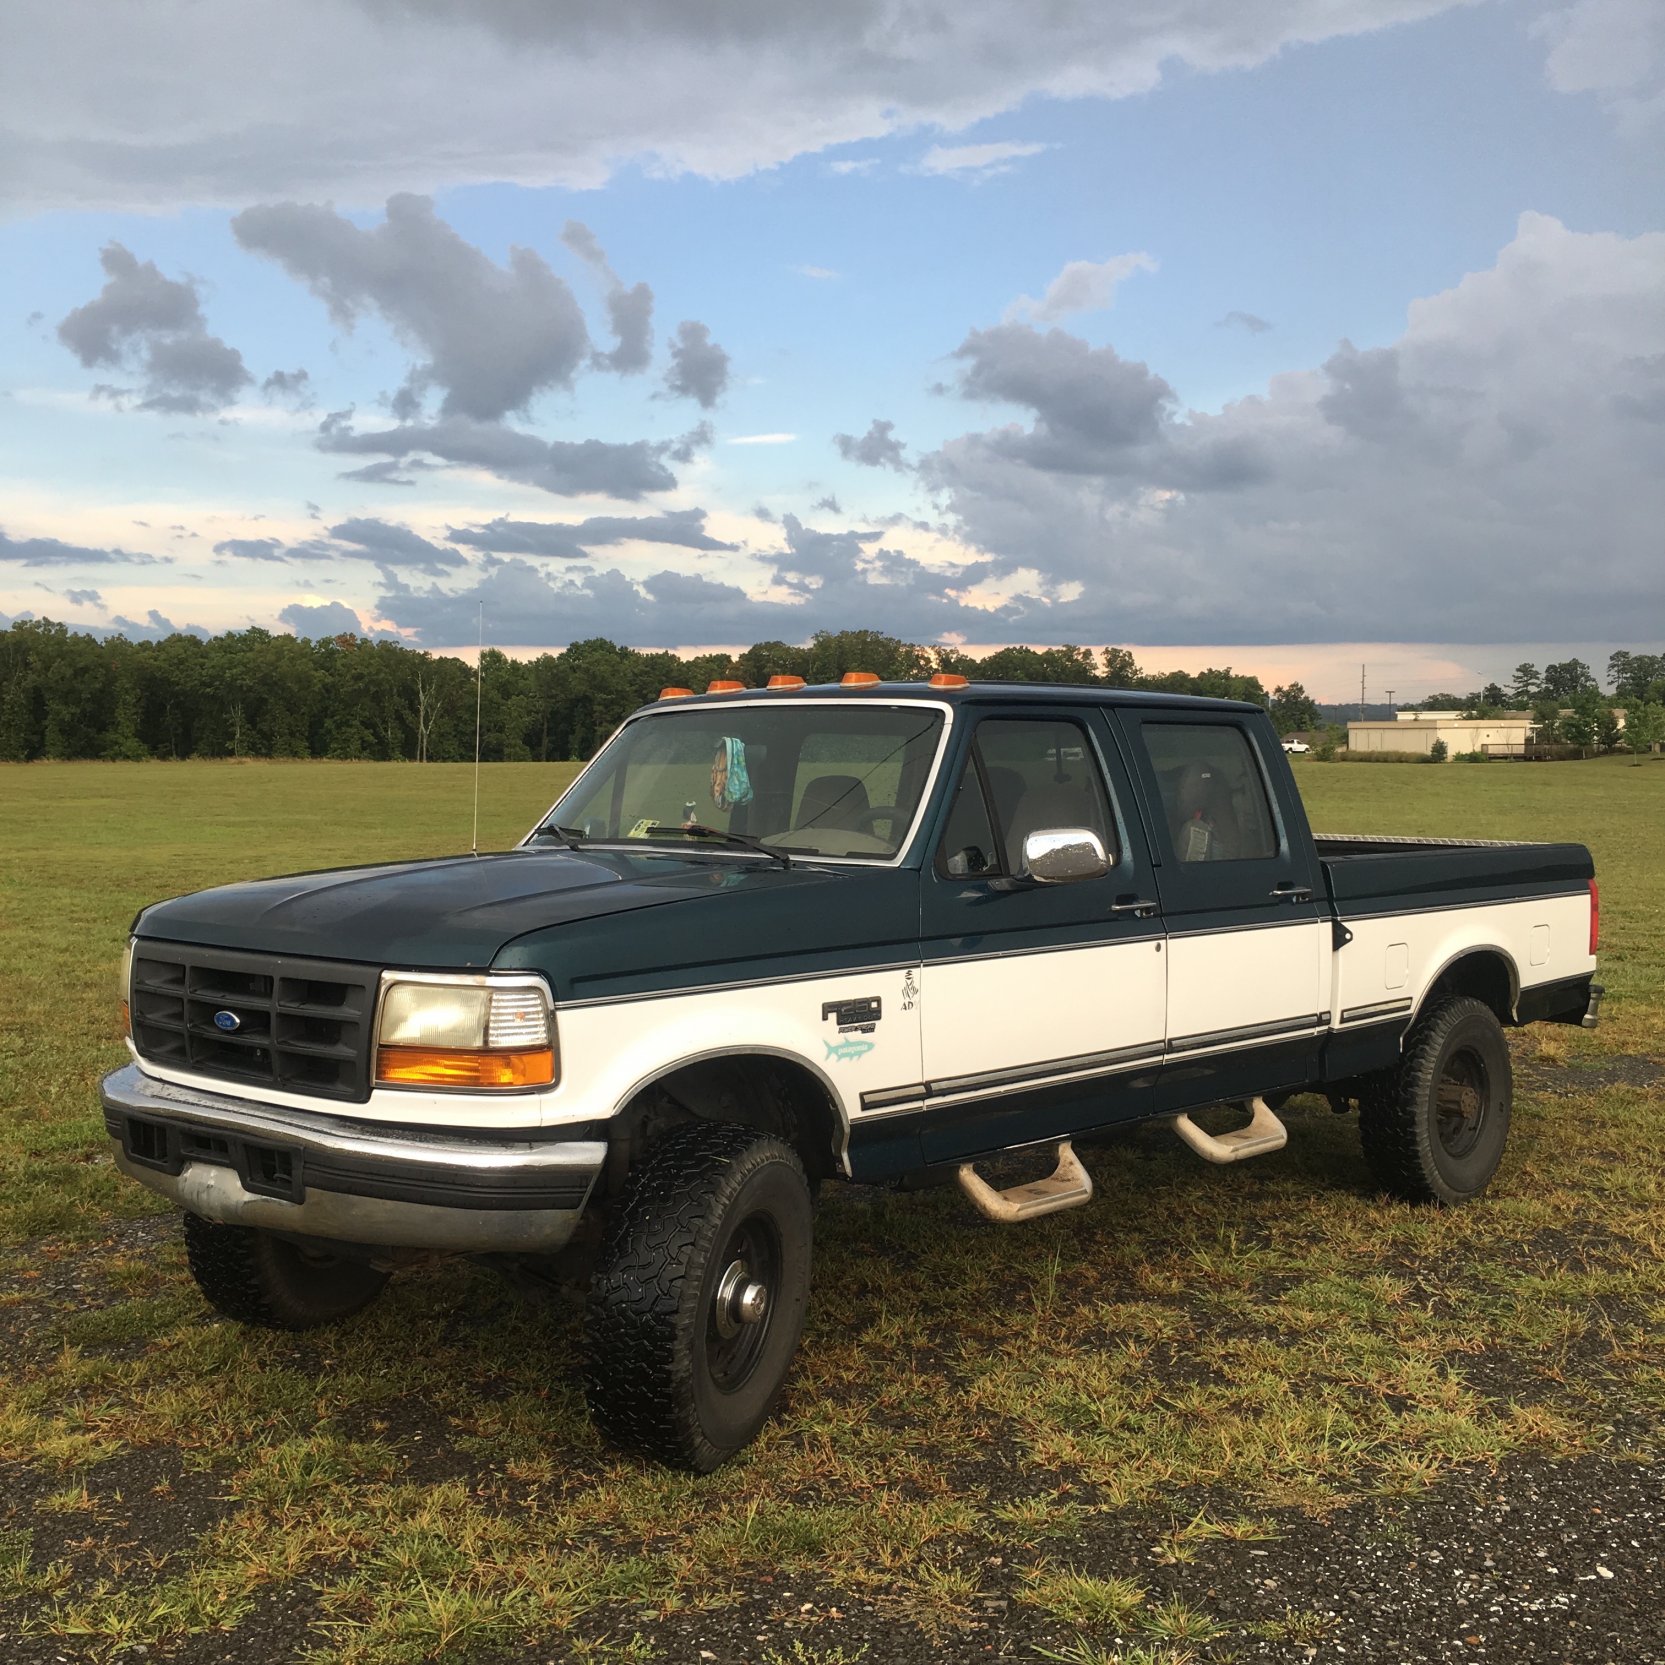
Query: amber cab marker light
{"points": [[416, 1066], [676, 693], [859, 679], [786, 682], [947, 679], [723, 686]]}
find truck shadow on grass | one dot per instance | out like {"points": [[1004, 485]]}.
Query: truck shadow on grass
{"points": [[1029, 1436]]}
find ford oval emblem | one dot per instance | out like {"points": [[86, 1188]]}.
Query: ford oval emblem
{"points": [[228, 1021]]}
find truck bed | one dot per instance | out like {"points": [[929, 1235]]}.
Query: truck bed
{"points": [[1369, 874]]}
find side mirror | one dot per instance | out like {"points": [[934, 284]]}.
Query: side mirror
{"points": [[1061, 855]]}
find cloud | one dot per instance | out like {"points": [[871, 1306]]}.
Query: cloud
{"points": [[318, 623], [1089, 403], [1430, 488], [568, 468], [976, 161], [877, 448], [699, 367], [494, 336], [1242, 321], [762, 439], [153, 628], [152, 327], [682, 528], [84, 598], [630, 311], [49, 552], [1082, 286], [354, 99], [384, 473], [252, 549], [822, 274], [291, 387], [1614, 49]]}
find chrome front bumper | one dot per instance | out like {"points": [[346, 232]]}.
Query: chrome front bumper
{"points": [[241, 1162]]}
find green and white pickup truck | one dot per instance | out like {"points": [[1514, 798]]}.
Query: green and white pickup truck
{"points": [[775, 937]]}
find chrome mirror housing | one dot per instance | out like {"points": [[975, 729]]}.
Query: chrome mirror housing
{"points": [[1061, 855]]}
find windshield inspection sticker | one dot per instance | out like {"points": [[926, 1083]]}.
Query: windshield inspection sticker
{"points": [[844, 1051]]}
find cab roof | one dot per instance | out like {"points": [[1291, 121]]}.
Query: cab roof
{"points": [[973, 693]]}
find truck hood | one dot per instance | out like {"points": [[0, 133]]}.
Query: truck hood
{"points": [[454, 912]]}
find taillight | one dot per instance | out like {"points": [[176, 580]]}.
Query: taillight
{"points": [[1595, 915]]}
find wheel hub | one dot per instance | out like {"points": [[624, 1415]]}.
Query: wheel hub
{"points": [[741, 1300]]}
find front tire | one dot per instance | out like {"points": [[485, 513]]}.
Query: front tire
{"points": [[698, 1297], [1434, 1127], [258, 1278]]}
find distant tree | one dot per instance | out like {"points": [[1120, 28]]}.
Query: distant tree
{"points": [[1546, 721], [1645, 726], [1438, 752], [1523, 686], [1636, 678], [1591, 725], [1566, 680], [1071, 665], [1293, 709], [1445, 702], [1121, 669]]}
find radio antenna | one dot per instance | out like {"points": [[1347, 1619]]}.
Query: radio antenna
{"points": [[479, 676]]}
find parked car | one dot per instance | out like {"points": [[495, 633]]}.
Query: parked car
{"points": [[1298, 748], [774, 938]]}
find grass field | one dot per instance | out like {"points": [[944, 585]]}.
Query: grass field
{"points": [[1127, 1433]]}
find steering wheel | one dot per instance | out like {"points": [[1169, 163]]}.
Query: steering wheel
{"points": [[864, 822]]}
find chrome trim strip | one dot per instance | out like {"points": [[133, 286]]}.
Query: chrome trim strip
{"points": [[1253, 1032], [1382, 1008]]}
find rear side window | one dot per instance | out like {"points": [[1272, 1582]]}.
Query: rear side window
{"points": [[1025, 776], [1213, 797]]}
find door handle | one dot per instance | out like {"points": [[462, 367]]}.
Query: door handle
{"points": [[1289, 891], [1135, 905]]}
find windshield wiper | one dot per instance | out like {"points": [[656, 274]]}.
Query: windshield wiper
{"points": [[572, 837], [744, 841]]}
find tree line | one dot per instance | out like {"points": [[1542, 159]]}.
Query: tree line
{"points": [[1569, 705], [251, 693]]}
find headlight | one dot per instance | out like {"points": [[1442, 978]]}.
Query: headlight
{"points": [[465, 1032], [124, 989]]}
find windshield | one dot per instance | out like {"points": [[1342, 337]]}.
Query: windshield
{"points": [[818, 778]]}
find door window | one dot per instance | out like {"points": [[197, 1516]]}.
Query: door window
{"points": [[1212, 793], [1024, 775]]}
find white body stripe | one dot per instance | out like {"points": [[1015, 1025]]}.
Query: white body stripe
{"points": [[1233, 979]]}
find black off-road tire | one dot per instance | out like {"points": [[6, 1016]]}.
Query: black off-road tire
{"points": [[258, 1278], [1434, 1127], [661, 1378]]}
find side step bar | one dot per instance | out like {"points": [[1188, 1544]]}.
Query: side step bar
{"points": [[1069, 1185], [1264, 1133]]}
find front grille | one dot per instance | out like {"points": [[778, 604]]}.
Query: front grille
{"points": [[303, 1026]]}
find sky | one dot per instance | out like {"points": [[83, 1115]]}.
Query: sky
{"points": [[1295, 337]]}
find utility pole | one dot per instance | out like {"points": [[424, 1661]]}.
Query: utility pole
{"points": [[1361, 693], [1390, 703]]}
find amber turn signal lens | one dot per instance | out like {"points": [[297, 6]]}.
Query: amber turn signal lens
{"points": [[947, 679], [858, 679], [723, 686], [676, 693], [786, 682], [413, 1066]]}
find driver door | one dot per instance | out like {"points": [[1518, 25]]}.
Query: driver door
{"points": [[1043, 1005]]}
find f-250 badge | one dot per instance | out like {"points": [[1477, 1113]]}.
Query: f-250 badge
{"points": [[855, 1018]]}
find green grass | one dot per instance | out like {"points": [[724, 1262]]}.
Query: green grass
{"points": [[979, 1415]]}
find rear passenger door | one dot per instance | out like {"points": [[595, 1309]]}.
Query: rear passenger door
{"points": [[1248, 950], [1042, 1004]]}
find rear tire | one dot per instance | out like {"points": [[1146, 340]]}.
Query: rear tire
{"points": [[1434, 1127], [698, 1297], [258, 1278]]}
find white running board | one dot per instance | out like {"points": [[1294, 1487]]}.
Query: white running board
{"points": [[1069, 1185], [1264, 1133]]}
